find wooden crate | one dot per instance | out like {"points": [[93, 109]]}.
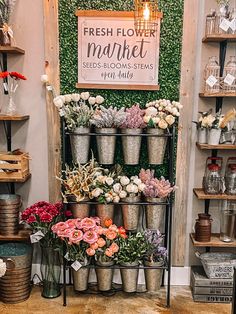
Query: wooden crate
{"points": [[15, 168]]}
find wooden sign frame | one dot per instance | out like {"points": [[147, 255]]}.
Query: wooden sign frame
{"points": [[140, 72]]}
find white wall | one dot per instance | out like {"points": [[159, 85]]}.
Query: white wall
{"points": [[31, 136]]}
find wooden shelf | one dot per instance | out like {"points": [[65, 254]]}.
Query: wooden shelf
{"points": [[12, 50], [215, 241], [16, 180], [23, 235], [13, 118], [219, 37], [201, 195], [215, 95], [220, 146]]}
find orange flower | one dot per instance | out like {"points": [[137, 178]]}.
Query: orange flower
{"points": [[122, 232], [94, 246], [4, 74], [111, 235], [109, 252], [90, 251], [114, 247], [101, 242], [108, 222]]}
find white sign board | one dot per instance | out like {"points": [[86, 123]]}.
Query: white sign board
{"points": [[113, 55]]}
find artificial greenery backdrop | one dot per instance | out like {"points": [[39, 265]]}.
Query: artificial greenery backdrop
{"points": [[169, 66]]}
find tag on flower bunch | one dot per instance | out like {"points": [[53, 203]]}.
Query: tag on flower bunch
{"points": [[232, 25], [67, 256], [211, 81], [225, 24], [49, 88], [5, 86], [36, 237], [76, 265], [229, 79]]}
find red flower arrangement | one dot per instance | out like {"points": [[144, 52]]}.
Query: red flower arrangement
{"points": [[17, 76], [41, 216]]}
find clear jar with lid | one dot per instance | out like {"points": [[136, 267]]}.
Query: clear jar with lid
{"points": [[222, 20], [232, 28], [212, 180], [230, 176], [230, 75], [227, 220], [212, 76], [211, 22]]}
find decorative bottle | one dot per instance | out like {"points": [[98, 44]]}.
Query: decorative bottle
{"points": [[230, 75], [212, 76]]}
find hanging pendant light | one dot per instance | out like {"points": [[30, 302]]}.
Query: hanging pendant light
{"points": [[145, 15]]}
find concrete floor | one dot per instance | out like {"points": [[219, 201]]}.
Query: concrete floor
{"points": [[120, 303]]}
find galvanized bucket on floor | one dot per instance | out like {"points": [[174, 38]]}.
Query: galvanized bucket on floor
{"points": [[80, 278], [129, 277], [15, 284], [153, 277], [104, 276]]}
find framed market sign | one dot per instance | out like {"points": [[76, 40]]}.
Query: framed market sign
{"points": [[112, 54]]}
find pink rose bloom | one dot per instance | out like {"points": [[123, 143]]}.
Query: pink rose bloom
{"points": [[31, 219], [109, 252], [59, 226], [78, 223], [90, 237], [94, 246], [111, 235], [45, 217], [76, 236], [101, 242], [65, 233], [114, 247], [100, 230], [97, 220], [88, 223], [90, 251], [71, 223]]}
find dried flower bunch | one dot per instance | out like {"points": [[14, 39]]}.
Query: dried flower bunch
{"points": [[77, 109], [134, 118], [161, 113], [6, 9], [79, 180], [155, 251], [110, 117], [154, 187]]}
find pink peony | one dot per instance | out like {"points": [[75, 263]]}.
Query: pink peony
{"points": [[71, 223], [90, 237], [90, 251], [76, 236], [78, 223], [88, 223]]}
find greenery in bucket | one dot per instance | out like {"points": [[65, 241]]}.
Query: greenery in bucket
{"points": [[132, 248]]}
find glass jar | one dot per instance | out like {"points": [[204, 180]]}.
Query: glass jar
{"points": [[211, 22], [212, 180], [232, 28], [227, 221], [230, 75], [212, 76], [230, 176], [222, 26]]}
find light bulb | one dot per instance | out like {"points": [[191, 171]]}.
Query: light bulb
{"points": [[146, 12]]}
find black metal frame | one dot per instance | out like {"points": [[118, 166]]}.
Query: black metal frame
{"points": [[169, 206]]}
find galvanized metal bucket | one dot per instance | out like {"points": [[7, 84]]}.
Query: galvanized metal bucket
{"points": [[131, 146], [155, 213], [105, 211], [9, 213], [156, 146], [106, 145], [80, 145], [80, 278], [79, 210], [129, 277], [130, 213], [153, 277], [104, 276], [15, 284]]}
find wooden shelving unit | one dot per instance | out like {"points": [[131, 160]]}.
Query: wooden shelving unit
{"points": [[23, 235], [215, 95], [220, 146], [16, 180], [219, 38], [11, 50], [201, 195], [215, 242], [14, 118]]}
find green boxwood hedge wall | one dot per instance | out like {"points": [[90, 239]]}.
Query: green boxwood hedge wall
{"points": [[169, 67]]}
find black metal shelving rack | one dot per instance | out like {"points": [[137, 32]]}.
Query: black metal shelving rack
{"points": [[169, 205]]}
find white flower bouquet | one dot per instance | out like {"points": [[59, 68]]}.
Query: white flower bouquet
{"points": [[161, 113]]}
